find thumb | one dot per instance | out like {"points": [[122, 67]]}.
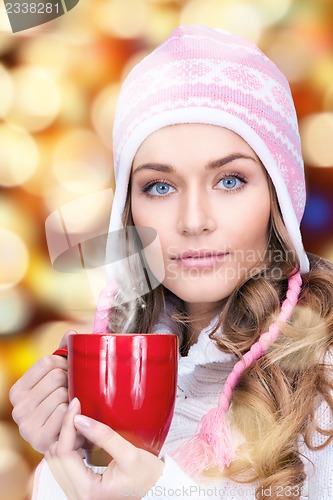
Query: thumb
{"points": [[106, 438], [63, 341]]}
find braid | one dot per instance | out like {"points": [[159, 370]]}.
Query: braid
{"points": [[212, 445]]}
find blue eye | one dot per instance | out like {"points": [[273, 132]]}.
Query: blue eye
{"points": [[231, 182], [158, 189]]}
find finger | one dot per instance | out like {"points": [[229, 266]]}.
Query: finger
{"points": [[52, 426], [35, 374], [106, 438], [52, 423], [68, 434], [74, 477], [51, 391], [40, 411], [30, 400], [64, 340], [62, 469], [67, 464], [42, 425], [49, 406]]}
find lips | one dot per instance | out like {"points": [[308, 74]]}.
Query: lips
{"points": [[198, 254], [199, 259]]}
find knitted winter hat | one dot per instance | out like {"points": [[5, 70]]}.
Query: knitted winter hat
{"points": [[204, 75]]}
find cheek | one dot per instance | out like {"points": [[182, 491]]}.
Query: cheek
{"points": [[155, 260], [138, 215], [148, 217], [154, 248], [157, 256], [248, 225], [145, 214], [260, 220]]}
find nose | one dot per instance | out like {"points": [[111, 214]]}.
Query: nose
{"points": [[195, 214]]}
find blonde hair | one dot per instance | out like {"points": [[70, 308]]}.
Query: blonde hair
{"points": [[276, 399]]}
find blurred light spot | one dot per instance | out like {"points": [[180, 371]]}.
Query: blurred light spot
{"points": [[328, 252], [66, 293], [6, 91], [14, 475], [21, 355], [43, 175], [272, 12], [316, 133], [161, 21], [74, 244], [18, 155], [46, 338], [4, 388], [293, 56], [322, 73], [78, 29], [102, 113], [83, 219], [239, 18], [5, 26], [15, 310], [159, 2], [120, 18], [14, 259], [16, 218], [81, 163], [7, 42], [9, 436], [328, 99], [55, 195], [49, 52], [317, 213], [37, 98], [73, 108]]}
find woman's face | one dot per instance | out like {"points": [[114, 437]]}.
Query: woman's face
{"points": [[205, 192]]}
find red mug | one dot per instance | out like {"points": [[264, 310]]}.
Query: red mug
{"points": [[127, 381]]}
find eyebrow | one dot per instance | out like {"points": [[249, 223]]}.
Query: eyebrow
{"points": [[220, 162]]}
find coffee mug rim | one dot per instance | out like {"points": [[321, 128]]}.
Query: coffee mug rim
{"points": [[107, 334]]}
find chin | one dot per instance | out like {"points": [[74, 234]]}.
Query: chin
{"points": [[197, 291]]}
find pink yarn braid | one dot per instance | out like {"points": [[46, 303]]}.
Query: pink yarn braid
{"points": [[212, 446], [105, 302]]}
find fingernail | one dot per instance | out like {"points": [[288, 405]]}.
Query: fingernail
{"points": [[83, 421], [72, 404]]}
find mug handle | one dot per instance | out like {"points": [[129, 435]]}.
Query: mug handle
{"points": [[61, 351]]}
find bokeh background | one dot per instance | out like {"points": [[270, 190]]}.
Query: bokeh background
{"points": [[58, 88]]}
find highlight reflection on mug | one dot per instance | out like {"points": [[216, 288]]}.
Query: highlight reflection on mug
{"points": [[23, 14]]}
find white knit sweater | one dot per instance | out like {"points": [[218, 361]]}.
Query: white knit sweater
{"points": [[201, 375]]}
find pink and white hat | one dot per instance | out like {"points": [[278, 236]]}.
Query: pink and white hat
{"points": [[204, 75]]}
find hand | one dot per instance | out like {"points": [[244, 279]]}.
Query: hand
{"points": [[40, 400], [130, 474]]}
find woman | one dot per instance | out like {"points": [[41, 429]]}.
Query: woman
{"points": [[207, 153]]}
